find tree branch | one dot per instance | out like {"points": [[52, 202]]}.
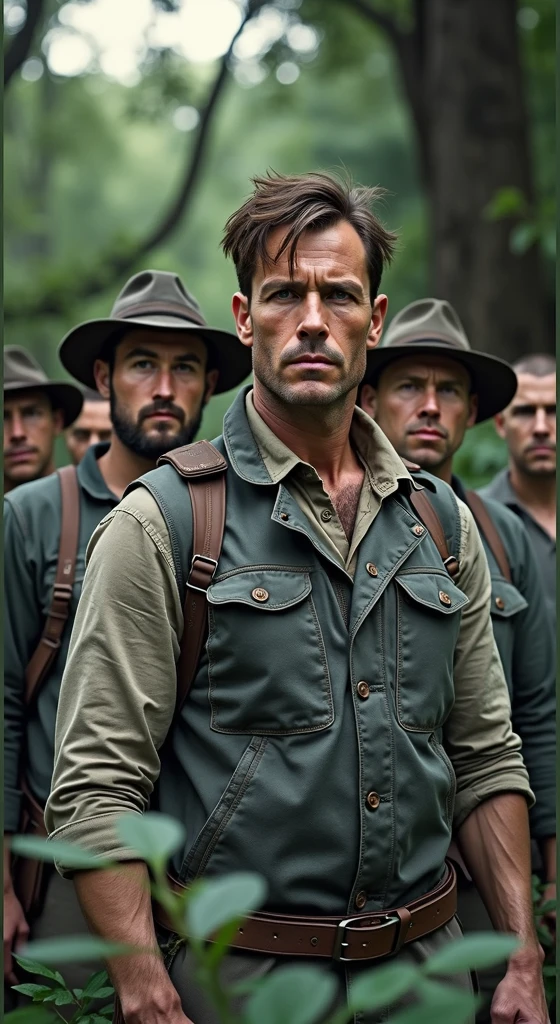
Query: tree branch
{"points": [[19, 49], [58, 301]]}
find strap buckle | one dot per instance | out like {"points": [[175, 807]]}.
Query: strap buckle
{"points": [[340, 944], [62, 592], [207, 561]]}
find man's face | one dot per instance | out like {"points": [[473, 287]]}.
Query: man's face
{"points": [[309, 332], [30, 427], [423, 405], [92, 426], [528, 425], [157, 387]]}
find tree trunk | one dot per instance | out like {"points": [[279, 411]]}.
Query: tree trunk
{"points": [[477, 144]]}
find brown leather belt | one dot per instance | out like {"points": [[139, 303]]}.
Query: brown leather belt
{"points": [[364, 937]]}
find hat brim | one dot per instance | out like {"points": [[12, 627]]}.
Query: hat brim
{"points": [[493, 380], [84, 344], [66, 397]]}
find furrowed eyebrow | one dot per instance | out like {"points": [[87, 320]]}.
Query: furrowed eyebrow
{"points": [[524, 410], [146, 353], [276, 284]]}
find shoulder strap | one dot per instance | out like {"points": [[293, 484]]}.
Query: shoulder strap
{"points": [[49, 644], [486, 526], [203, 467], [427, 513]]}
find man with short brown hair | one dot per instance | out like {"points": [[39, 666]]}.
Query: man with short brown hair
{"points": [[36, 410], [311, 745], [93, 425]]}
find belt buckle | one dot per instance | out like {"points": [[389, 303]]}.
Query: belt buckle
{"points": [[339, 942]]}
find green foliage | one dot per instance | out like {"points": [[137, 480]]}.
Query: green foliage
{"points": [[71, 855], [481, 456], [225, 900], [298, 995], [84, 1002], [545, 936], [154, 836]]}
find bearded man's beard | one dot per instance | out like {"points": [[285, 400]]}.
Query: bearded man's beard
{"points": [[151, 447]]}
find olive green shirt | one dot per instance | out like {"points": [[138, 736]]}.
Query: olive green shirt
{"points": [[131, 723]]}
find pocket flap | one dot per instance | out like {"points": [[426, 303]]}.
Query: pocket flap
{"points": [[269, 591], [436, 592], [506, 599]]}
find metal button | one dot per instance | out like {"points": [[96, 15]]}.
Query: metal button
{"points": [[373, 800], [418, 530], [363, 690], [284, 515], [326, 516], [372, 569], [500, 603], [360, 900], [444, 598], [259, 594]]}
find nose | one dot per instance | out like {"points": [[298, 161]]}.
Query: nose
{"points": [[541, 426], [16, 429], [312, 326], [430, 405], [163, 387]]}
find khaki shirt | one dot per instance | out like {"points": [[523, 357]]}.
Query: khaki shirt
{"points": [[140, 713]]}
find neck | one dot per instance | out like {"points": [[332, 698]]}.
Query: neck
{"points": [[120, 466], [535, 492], [318, 435], [443, 472]]}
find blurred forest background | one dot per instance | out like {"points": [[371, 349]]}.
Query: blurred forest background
{"points": [[133, 127]]}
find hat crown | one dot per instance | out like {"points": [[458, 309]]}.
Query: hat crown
{"points": [[157, 292], [427, 320], [21, 368]]}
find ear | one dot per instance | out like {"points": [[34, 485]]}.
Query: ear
{"points": [[58, 421], [499, 423], [368, 400], [102, 376], [242, 316], [211, 381], [473, 410], [378, 314]]}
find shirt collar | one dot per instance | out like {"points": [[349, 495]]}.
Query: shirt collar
{"points": [[383, 465], [89, 474]]}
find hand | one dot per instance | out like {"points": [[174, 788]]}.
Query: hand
{"points": [[16, 932], [519, 998]]}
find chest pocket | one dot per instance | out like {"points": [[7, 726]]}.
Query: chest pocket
{"points": [[506, 599], [267, 668], [428, 622]]}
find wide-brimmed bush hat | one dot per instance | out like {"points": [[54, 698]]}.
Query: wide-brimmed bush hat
{"points": [[23, 373], [158, 299], [432, 327]]}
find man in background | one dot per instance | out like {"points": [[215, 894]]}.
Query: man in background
{"points": [[528, 485], [93, 425], [36, 410]]}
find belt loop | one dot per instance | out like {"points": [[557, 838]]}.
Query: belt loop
{"points": [[405, 922]]}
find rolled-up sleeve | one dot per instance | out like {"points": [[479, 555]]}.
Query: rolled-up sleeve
{"points": [[478, 735], [119, 686]]}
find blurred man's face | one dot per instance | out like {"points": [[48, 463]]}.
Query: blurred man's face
{"points": [[30, 427], [309, 333], [423, 405], [157, 388], [92, 426], [528, 425]]}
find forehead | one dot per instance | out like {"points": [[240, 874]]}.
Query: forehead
{"points": [[94, 414], [335, 251], [427, 367], [535, 390], [24, 398], [163, 344]]}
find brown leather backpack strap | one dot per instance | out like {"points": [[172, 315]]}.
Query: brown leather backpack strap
{"points": [[49, 644], [427, 513], [486, 526], [203, 467]]}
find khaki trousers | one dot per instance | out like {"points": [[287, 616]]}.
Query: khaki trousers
{"points": [[240, 966]]}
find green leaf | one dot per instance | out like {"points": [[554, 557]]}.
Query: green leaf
{"points": [[300, 995], [523, 237], [547, 907], [381, 987], [219, 901], [153, 836], [30, 1015], [505, 203], [67, 853], [32, 990], [60, 997], [75, 949], [456, 1006], [550, 971], [480, 949], [97, 982], [33, 967]]}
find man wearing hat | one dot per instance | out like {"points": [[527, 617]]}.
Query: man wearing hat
{"points": [[158, 363], [425, 386], [36, 409]]}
